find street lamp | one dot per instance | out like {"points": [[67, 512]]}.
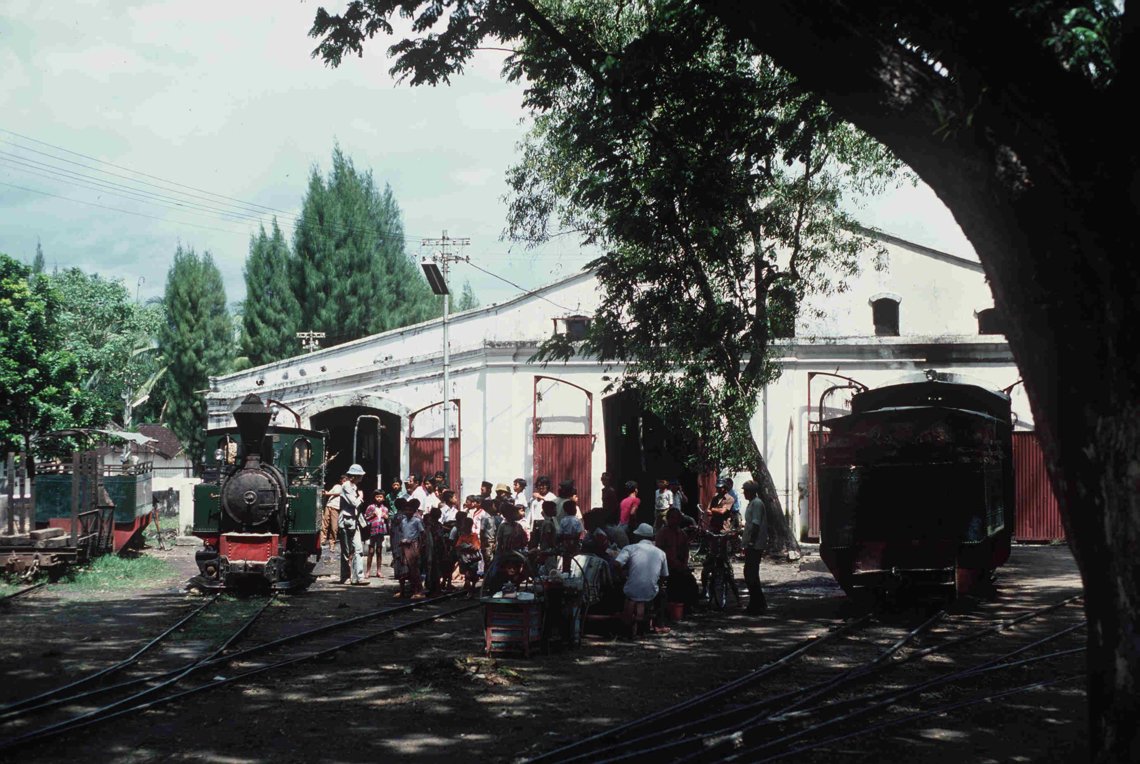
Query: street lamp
{"points": [[438, 284]]}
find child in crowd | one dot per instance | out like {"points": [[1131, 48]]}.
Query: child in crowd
{"points": [[569, 533], [436, 549], [376, 516], [411, 536], [544, 537], [467, 552]]}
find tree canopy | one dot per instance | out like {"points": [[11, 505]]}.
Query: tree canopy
{"points": [[196, 340], [271, 313], [40, 378], [112, 338], [715, 185], [716, 188], [350, 273]]}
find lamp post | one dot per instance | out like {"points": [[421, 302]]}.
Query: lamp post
{"points": [[438, 282]]}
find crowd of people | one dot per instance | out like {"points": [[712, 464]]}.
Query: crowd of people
{"points": [[628, 555]]}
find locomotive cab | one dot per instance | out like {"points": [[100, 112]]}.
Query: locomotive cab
{"points": [[256, 511]]}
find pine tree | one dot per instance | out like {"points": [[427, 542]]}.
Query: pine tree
{"points": [[271, 314], [196, 340], [350, 272], [467, 299], [38, 262]]}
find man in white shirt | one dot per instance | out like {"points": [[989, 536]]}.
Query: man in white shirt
{"points": [[646, 567], [755, 538], [431, 499], [417, 492], [541, 493], [662, 501], [520, 495]]}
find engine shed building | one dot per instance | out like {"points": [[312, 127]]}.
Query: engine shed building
{"points": [[381, 397]]}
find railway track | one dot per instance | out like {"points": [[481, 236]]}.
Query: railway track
{"points": [[731, 722], [27, 590], [164, 684]]}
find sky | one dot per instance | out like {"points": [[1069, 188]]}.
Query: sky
{"points": [[220, 105]]}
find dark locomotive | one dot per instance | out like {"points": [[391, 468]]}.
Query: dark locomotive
{"points": [[916, 490], [257, 509]]}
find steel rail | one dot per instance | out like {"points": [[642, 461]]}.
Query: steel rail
{"points": [[996, 664], [995, 629], [736, 739], [817, 688], [938, 711], [9, 597], [100, 715], [710, 694], [805, 693], [217, 659], [874, 702], [73, 721], [9, 710]]}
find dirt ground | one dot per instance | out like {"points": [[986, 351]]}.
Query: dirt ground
{"points": [[429, 695]]}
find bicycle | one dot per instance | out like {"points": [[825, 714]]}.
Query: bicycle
{"points": [[717, 576]]}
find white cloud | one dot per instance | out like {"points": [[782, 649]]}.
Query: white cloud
{"points": [[226, 97]]}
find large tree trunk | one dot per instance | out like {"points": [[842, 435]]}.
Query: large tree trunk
{"points": [[781, 538], [1040, 172]]}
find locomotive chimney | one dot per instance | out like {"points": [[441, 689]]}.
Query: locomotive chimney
{"points": [[252, 418]]}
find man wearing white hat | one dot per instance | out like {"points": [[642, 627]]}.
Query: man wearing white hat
{"points": [[646, 568], [348, 525]]}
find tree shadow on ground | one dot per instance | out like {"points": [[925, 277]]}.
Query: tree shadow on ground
{"points": [[429, 695]]}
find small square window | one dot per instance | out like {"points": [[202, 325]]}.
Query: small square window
{"points": [[574, 327], [990, 321], [885, 313]]}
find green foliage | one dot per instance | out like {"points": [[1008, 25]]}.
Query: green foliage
{"points": [[467, 299], [711, 178], [716, 185], [38, 262], [1085, 37], [196, 340], [40, 383], [271, 314], [112, 338], [350, 273]]}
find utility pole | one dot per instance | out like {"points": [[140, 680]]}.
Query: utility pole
{"points": [[445, 255], [309, 340]]}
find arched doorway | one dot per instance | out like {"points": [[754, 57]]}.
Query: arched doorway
{"points": [[425, 441], [364, 435], [564, 435], [643, 448]]}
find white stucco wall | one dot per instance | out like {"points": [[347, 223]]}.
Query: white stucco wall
{"points": [[401, 371]]}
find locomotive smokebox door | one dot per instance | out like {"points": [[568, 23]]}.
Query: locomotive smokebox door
{"points": [[252, 497]]}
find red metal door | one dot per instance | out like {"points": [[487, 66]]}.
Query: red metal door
{"points": [[566, 457], [1038, 517], [425, 457], [815, 440]]}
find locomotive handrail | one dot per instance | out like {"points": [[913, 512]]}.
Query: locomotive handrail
{"points": [[813, 374]]}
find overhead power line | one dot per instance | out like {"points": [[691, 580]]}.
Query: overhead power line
{"points": [[116, 209], [115, 189], [219, 205], [526, 292]]}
